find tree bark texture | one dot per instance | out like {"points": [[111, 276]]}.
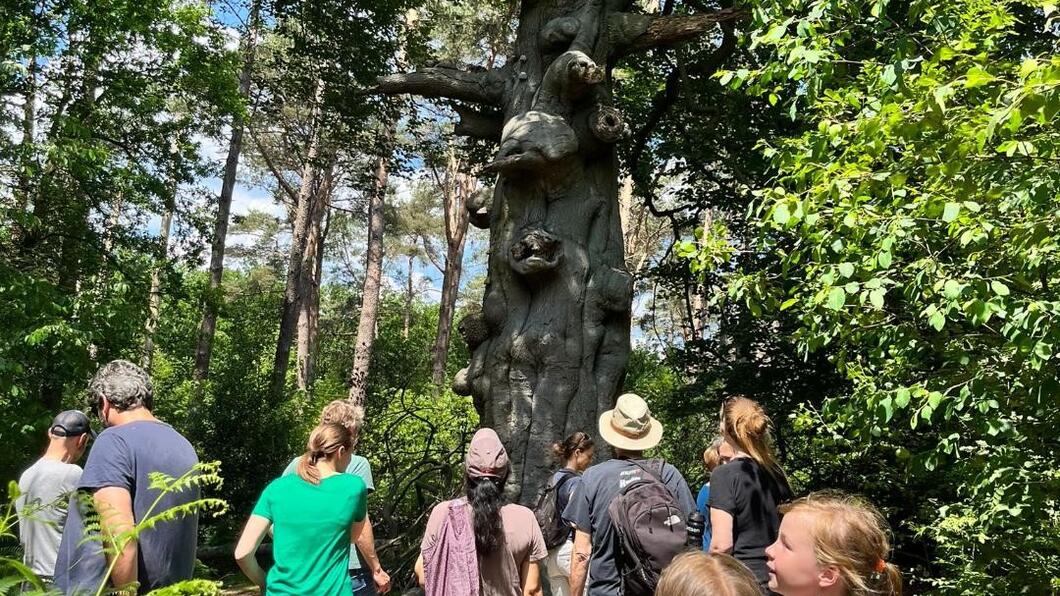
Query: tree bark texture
{"points": [[457, 188], [154, 300], [313, 259], [299, 263], [208, 327], [551, 344], [373, 271]]}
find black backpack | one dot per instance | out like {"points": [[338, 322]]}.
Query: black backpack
{"points": [[553, 528], [649, 527]]}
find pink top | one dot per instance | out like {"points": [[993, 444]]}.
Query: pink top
{"points": [[498, 570]]}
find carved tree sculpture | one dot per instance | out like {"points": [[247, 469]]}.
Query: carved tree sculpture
{"points": [[550, 346]]}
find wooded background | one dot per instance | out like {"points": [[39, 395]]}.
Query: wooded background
{"points": [[847, 210]]}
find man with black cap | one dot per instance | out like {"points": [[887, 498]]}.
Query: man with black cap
{"points": [[45, 489]]}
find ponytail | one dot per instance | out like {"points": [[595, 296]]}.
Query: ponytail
{"points": [[746, 423], [324, 443], [485, 495], [566, 449], [850, 534]]}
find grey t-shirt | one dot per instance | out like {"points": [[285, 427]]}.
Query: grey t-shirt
{"points": [[45, 490], [359, 467], [124, 456], [587, 511]]}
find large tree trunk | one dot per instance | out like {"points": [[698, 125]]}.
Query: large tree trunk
{"points": [[211, 303], [458, 189], [154, 301], [313, 257], [300, 263], [550, 347], [373, 271]]}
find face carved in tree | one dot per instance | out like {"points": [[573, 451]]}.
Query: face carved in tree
{"points": [[536, 252]]}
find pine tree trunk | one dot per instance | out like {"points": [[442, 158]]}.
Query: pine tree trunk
{"points": [[313, 257], [211, 302], [298, 265], [461, 187], [154, 301], [373, 276], [407, 323]]}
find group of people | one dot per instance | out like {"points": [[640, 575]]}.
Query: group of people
{"points": [[619, 527], [621, 516]]}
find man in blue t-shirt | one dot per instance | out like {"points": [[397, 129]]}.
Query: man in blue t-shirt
{"points": [[116, 483], [630, 429]]}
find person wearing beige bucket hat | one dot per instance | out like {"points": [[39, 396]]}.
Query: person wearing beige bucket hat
{"points": [[630, 425], [631, 430]]}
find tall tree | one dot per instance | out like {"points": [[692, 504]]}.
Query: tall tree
{"points": [[549, 349], [457, 188], [204, 347], [373, 270]]}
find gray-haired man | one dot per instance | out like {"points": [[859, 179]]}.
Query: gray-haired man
{"points": [[116, 479]]}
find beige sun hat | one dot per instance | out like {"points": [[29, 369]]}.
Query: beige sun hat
{"points": [[630, 424]]}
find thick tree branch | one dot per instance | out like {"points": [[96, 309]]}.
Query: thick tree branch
{"points": [[636, 32], [479, 125], [663, 100], [483, 87]]}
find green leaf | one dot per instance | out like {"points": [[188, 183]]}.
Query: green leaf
{"points": [[977, 77], [837, 297], [951, 211], [781, 214], [788, 303], [876, 297], [937, 320], [951, 289], [846, 269], [999, 288], [901, 397], [884, 259]]}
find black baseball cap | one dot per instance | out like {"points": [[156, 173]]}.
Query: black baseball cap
{"points": [[71, 423]]}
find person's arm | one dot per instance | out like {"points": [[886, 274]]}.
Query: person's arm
{"points": [[420, 579], [364, 538], [720, 531], [114, 505], [579, 563], [531, 574], [247, 548]]}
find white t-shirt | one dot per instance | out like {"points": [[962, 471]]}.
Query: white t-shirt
{"points": [[45, 493]]}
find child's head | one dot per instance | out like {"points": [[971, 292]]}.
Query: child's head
{"points": [[717, 453], [832, 543], [700, 574]]}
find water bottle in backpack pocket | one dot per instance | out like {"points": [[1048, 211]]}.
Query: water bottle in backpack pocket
{"points": [[649, 526]]}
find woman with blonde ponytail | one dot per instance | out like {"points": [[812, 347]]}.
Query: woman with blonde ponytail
{"points": [[746, 492], [832, 544], [314, 515]]}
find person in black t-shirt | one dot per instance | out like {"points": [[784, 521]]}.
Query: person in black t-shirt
{"points": [[746, 492]]}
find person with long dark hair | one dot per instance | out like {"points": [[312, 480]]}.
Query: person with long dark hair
{"points": [[478, 543], [746, 492]]}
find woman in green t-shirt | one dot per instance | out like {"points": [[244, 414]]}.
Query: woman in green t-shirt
{"points": [[313, 515]]}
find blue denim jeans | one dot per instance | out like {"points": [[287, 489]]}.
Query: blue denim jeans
{"points": [[363, 584]]}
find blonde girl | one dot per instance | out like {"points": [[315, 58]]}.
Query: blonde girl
{"points": [[702, 574], [745, 493], [832, 544]]}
